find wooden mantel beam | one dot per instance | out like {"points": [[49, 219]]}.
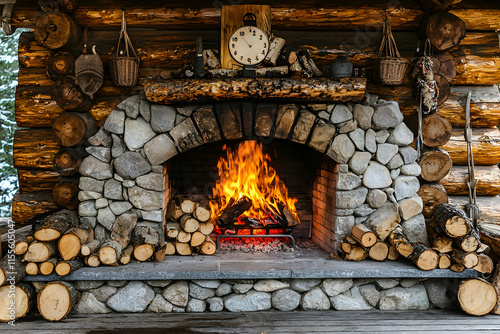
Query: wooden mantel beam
{"points": [[206, 90]]}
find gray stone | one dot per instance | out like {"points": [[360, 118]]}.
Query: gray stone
{"points": [[350, 301], [358, 138], [115, 122], [344, 212], [370, 293], [381, 136], [177, 293], [103, 293], [317, 107], [442, 293], [412, 169], [89, 221], [100, 233], [95, 168], [364, 210], [359, 220], [359, 162], [160, 305], [251, 301], [315, 300], [137, 133], [87, 209], [401, 135], [342, 149], [157, 169], [154, 216], [208, 283], [131, 165], [270, 285], [113, 189], [120, 207], [348, 126], [88, 195], [336, 286], [370, 99], [348, 181], [159, 283], [186, 136], [414, 298], [376, 198], [405, 187], [343, 226], [223, 289], [101, 203], [199, 292], [179, 119], [186, 110], [322, 136], [128, 183], [395, 162], [177, 309], [118, 178], [160, 149], [90, 184], [101, 153], [343, 168], [409, 154], [118, 147], [196, 306], [88, 285], [88, 304], [340, 113], [376, 176], [324, 115], [409, 282], [101, 138], [242, 287], [134, 297], [145, 109], [395, 173], [385, 152], [370, 141], [285, 300], [415, 229], [215, 304], [106, 218], [131, 106], [162, 118], [363, 115], [150, 181], [386, 115], [351, 199], [386, 283], [145, 199]]}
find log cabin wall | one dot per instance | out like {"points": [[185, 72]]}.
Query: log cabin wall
{"points": [[164, 35]]}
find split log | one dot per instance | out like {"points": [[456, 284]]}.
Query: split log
{"points": [[21, 244], [272, 72], [173, 229], [55, 225], [466, 259], [15, 301], [400, 241], [40, 251], [435, 164], [174, 211], [357, 253], [436, 131], [57, 30], [31, 268], [208, 247], [432, 194], [347, 243], [444, 261], [60, 64], [67, 161], [484, 264], [233, 211], [393, 253], [123, 227], [126, 256], [65, 194], [35, 149], [72, 128], [70, 244], [12, 270], [183, 248], [379, 251], [56, 300], [110, 252], [186, 204], [363, 235], [202, 214], [183, 237], [384, 220], [488, 180], [439, 242], [63, 268], [160, 252], [202, 90], [469, 243], [170, 248], [423, 257], [295, 69], [189, 224], [92, 260], [485, 143], [210, 59], [66, 6], [206, 228], [458, 268], [445, 30], [90, 247], [145, 240], [451, 220], [496, 284], [47, 267], [490, 235], [477, 297], [197, 238], [276, 44]]}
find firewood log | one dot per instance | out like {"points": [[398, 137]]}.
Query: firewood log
{"points": [[47, 267], [189, 224], [170, 249], [477, 297], [92, 260], [11, 268], [183, 248], [435, 164], [183, 237], [123, 227], [443, 89], [400, 241], [60, 64], [423, 257], [63, 268], [432, 194], [65, 194], [484, 264], [210, 59], [197, 238], [445, 30], [363, 235], [347, 243], [145, 240], [72, 128], [56, 30], [436, 130], [208, 247], [276, 44], [55, 225], [67, 161], [174, 211], [110, 252], [439, 242], [357, 253], [490, 235], [469, 243], [126, 255], [56, 300], [444, 261], [234, 210], [450, 220], [21, 244], [70, 244], [379, 251], [186, 204], [160, 253], [295, 69], [458, 268], [466, 259], [384, 220], [173, 229], [206, 228], [201, 213], [90, 247], [31, 268], [40, 251], [21, 295], [272, 72], [69, 96], [66, 6], [496, 284], [393, 253]]}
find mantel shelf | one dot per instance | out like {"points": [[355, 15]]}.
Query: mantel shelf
{"points": [[326, 90]]}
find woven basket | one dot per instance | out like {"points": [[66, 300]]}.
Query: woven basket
{"points": [[124, 63]]}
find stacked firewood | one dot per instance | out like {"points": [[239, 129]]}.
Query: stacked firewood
{"points": [[188, 228]]}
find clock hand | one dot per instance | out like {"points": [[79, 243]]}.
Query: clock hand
{"points": [[243, 38]]}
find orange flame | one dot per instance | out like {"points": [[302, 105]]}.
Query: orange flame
{"points": [[246, 172]]}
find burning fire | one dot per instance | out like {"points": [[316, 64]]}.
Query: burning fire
{"points": [[246, 173]]}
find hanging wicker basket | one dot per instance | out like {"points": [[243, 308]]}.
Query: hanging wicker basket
{"points": [[389, 68], [124, 63]]}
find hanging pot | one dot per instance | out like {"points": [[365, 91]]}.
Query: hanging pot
{"points": [[341, 67]]}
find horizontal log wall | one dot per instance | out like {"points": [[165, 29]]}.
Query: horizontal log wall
{"points": [[324, 28]]}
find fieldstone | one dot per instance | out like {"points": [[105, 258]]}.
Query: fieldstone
{"points": [[415, 229], [103, 293], [409, 282], [412, 169], [154, 216], [150, 181], [385, 152], [401, 135], [159, 283], [88, 304], [409, 154], [386, 216], [348, 181], [113, 189], [131, 106], [364, 210], [208, 283], [186, 110], [199, 292], [376, 198], [101, 153], [386, 283], [160, 149], [87, 285], [395, 162], [342, 149], [344, 212], [370, 141], [351, 199], [177, 293], [270, 285], [223, 289], [100, 233], [106, 218], [350, 301], [162, 118], [376, 176], [215, 304], [363, 115], [386, 115], [264, 115], [359, 162], [336, 286], [340, 113], [101, 138], [134, 297], [186, 136], [405, 187], [95, 168], [90, 184], [358, 138], [395, 173], [343, 226], [177, 309], [317, 107], [285, 300], [157, 169], [242, 287], [285, 119], [315, 300], [145, 109], [101, 203], [145, 199], [413, 298], [442, 293], [410, 207], [249, 302], [118, 147], [130, 165], [88, 195], [89, 221], [118, 178], [343, 168], [370, 293], [87, 209], [322, 136], [303, 126], [120, 207], [115, 122], [381, 136], [160, 305], [137, 133], [348, 126], [128, 183], [196, 306]]}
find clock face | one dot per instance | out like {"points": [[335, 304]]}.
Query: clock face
{"points": [[248, 45]]}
